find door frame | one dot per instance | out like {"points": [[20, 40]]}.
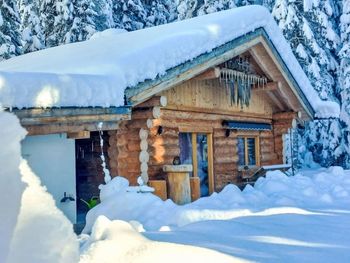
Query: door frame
{"points": [[209, 132]]}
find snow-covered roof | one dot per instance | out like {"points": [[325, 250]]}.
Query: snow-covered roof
{"points": [[97, 72]]}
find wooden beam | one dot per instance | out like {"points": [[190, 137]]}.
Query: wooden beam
{"points": [[275, 100], [71, 115], [69, 127], [211, 182], [78, 135], [270, 86], [160, 101], [285, 115], [195, 129], [212, 73]]}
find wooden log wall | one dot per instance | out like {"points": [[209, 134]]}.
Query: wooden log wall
{"points": [[142, 146], [164, 147], [282, 122], [129, 151]]}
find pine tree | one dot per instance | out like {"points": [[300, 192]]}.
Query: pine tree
{"points": [[344, 72], [191, 8], [56, 18], [10, 37], [129, 14], [32, 35], [104, 14], [160, 12], [311, 31], [83, 26]]}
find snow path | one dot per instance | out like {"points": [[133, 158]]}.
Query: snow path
{"points": [[291, 237]]}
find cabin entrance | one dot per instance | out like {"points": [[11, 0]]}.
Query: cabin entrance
{"points": [[197, 149], [89, 172]]}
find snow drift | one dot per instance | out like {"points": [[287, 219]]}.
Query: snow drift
{"points": [[111, 62], [277, 193], [32, 228]]}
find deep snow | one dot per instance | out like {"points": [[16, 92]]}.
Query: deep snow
{"points": [[103, 67]]}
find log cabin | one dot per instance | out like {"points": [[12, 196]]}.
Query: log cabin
{"points": [[219, 106]]}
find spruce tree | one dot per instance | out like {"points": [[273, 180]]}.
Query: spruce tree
{"points": [[83, 26], [10, 37], [32, 35], [191, 8], [344, 73], [129, 14]]}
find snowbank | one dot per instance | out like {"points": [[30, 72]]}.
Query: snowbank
{"points": [[117, 241], [11, 186], [32, 228], [131, 58], [275, 194], [43, 234]]}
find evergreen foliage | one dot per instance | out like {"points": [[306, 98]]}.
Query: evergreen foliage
{"points": [[10, 37], [32, 35]]}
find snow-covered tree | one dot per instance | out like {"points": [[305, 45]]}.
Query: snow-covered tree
{"points": [[344, 71], [10, 37], [160, 12], [56, 18], [104, 12], [83, 26], [191, 8], [32, 35], [129, 14]]}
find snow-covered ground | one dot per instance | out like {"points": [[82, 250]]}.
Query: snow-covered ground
{"points": [[283, 219]]}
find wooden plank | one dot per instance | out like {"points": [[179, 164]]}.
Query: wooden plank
{"points": [[257, 150], [79, 135], [275, 100], [160, 101], [270, 86], [70, 111], [210, 163], [210, 114], [69, 127], [194, 155], [212, 73], [179, 188], [74, 119], [195, 188], [159, 188], [195, 129]]}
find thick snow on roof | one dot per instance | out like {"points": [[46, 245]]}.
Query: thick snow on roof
{"points": [[96, 72]]}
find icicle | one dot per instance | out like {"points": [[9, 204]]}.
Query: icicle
{"points": [[107, 177]]}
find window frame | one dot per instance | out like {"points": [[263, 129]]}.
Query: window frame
{"points": [[246, 154], [209, 133]]}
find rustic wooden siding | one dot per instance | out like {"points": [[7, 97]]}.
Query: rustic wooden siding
{"points": [[211, 95]]}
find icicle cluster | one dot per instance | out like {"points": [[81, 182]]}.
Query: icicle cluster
{"points": [[239, 85]]}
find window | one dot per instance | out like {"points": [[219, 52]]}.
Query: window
{"points": [[248, 151]]}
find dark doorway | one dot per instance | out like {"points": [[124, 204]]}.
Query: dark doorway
{"points": [[89, 172]]}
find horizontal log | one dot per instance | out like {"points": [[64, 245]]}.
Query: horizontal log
{"points": [[225, 150], [160, 101], [285, 115], [164, 150], [225, 159], [144, 114], [212, 73]]}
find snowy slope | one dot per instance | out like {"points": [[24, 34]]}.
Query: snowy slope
{"points": [[125, 59]]}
